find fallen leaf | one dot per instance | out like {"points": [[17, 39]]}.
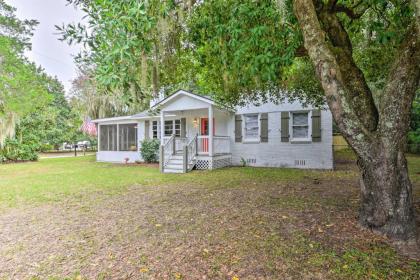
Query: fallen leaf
{"points": [[144, 269], [158, 225], [235, 278]]}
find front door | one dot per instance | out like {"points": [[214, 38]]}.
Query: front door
{"points": [[204, 131]]}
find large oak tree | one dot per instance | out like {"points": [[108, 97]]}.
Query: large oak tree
{"points": [[362, 56]]}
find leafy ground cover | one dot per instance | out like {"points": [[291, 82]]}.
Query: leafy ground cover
{"points": [[77, 219]]}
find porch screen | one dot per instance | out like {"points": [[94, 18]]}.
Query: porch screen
{"points": [[108, 137], [128, 137]]}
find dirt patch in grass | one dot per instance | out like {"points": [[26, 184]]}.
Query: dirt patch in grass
{"points": [[250, 227], [106, 221]]}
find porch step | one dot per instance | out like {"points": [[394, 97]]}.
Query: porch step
{"points": [[180, 157], [171, 165], [170, 170], [175, 161]]}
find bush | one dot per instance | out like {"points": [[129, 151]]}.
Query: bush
{"points": [[16, 151], [149, 150]]}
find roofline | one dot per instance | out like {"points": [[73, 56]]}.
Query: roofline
{"points": [[112, 119], [180, 91]]}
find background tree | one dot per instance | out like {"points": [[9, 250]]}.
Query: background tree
{"points": [[34, 113]]}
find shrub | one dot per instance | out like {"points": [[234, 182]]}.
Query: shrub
{"points": [[16, 151], [149, 150]]}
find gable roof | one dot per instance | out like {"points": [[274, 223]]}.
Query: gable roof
{"points": [[206, 99]]}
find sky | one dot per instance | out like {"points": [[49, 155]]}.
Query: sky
{"points": [[54, 56]]}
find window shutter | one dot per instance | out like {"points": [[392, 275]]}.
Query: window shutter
{"points": [[316, 126], [183, 127], [285, 127], [146, 129], [264, 127], [238, 128]]}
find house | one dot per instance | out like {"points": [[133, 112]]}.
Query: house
{"points": [[196, 132]]}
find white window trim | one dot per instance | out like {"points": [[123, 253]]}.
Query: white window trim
{"points": [[301, 140], [251, 140]]}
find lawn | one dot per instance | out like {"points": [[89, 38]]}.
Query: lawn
{"points": [[74, 218]]}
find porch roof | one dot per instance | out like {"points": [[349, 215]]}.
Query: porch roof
{"points": [[201, 98]]}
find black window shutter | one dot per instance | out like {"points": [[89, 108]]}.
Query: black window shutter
{"points": [[316, 126], [264, 127], [285, 127], [238, 128]]}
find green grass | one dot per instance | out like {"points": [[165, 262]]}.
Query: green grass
{"points": [[56, 179]]}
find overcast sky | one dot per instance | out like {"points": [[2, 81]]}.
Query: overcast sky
{"points": [[54, 56]]}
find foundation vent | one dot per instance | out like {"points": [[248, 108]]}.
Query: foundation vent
{"points": [[251, 160], [300, 162]]}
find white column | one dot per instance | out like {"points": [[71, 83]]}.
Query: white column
{"points": [[99, 136], [118, 137], [211, 125], [162, 127]]}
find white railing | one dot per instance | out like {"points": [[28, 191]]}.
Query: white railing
{"points": [[221, 145], [203, 144], [191, 149], [180, 142], [168, 149]]}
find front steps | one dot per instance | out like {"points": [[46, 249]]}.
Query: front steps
{"points": [[175, 164]]}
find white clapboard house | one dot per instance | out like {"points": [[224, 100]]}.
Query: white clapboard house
{"points": [[197, 133]]}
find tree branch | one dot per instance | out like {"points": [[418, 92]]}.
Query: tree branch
{"points": [[301, 51], [349, 11], [353, 114], [401, 86]]}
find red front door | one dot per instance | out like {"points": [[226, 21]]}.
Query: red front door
{"points": [[204, 131]]}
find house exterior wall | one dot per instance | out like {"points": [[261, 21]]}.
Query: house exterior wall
{"points": [[274, 153], [221, 122], [117, 156]]}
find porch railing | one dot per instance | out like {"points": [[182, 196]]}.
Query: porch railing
{"points": [[168, 148], [221, 144], [191, 153], [203, 144]]}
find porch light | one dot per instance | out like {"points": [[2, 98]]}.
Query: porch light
{"points": [[195, 122]]}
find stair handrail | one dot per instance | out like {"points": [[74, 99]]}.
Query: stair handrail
{"points": [[168, 149], [192, 150]]}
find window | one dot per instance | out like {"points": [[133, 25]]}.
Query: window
{"points": [[173, 126], [300, 125], [178, 128], [155, 130], [169, 126], [251, 127], [108, 138], [128, 137]]}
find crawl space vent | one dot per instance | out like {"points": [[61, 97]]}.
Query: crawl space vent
{"points": [[300, 162], [251, 160]]}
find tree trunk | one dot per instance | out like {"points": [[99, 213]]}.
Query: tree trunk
{"points": [[386, 197], [377, 135]]}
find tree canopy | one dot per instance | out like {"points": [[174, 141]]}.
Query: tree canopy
{"points": [[33, 109]]}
